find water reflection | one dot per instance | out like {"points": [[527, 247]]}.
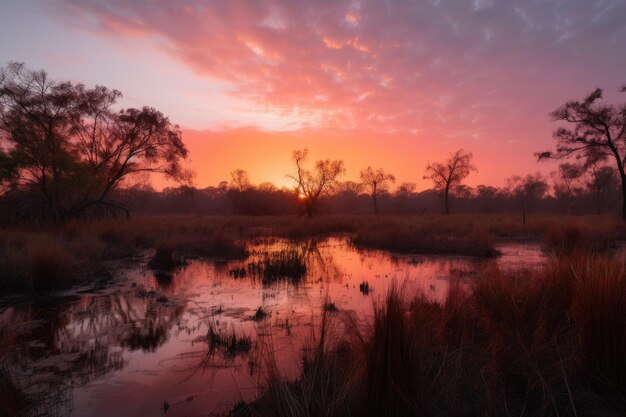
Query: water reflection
{"points": [[127, 349]]}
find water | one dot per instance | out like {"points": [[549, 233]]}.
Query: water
{"points": [[140, 342]]}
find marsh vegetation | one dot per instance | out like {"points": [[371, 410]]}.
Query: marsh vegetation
{"points": [[288, 317]]}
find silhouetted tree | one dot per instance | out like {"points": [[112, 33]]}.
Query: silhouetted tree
{"points": [[311, 185], [66, 150], [567, 184], [599, 132], [449, 174], [376, 181], [602, 179], [349, 187], [527, 190], [240, 180], [487, 198]]}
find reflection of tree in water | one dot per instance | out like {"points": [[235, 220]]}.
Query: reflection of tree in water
{"points": [[48, 349]]}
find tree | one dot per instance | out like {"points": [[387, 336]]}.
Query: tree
{"points": [[240, 180], [448, 175], [65, 150], [376, 181], [349, 187], [312, 185], [598, 133], [567, 184], [602, 180], [527, 190]]}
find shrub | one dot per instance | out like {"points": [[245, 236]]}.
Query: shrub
{"points": [[165, 258]]}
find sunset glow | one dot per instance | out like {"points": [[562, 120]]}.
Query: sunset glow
{"points": [[396, 84], [280, 208]]}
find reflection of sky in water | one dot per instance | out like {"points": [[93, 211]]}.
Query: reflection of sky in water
{"points": [[132, 346]]}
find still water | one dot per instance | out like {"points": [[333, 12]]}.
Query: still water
{"points": [[138, 346]]}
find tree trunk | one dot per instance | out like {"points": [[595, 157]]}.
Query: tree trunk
{"points": [[375, 204], [624, 198], [445, 197]]}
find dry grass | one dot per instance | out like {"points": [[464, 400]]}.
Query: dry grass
{"points": [[31, 262], [567, 238], [284, 265], [48, 259], [427, 238], [546, 343]]}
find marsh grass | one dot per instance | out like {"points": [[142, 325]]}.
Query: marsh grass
{"points": [[542, 343], [51, 258], [34, 262], [227, 342], [287, 264], [567, 238], [427, 238], [164, 258]]}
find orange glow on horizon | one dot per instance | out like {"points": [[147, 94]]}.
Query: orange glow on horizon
{"points": [[267, 156]]}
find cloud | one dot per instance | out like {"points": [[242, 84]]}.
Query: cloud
{"points": [[479, 69]]}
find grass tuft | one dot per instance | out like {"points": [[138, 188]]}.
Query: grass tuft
{"points": [[544, 343]]}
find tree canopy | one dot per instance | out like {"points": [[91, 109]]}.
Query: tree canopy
{"points": [[448, 175], [316, 183], [596, 132], [376, 181], [64, 149]]}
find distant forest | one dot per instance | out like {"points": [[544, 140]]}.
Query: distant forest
{"points": [[569, 190], [67, 153]]}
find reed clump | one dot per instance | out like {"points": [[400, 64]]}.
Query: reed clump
{"points": [[226, 342], [546, 342], [284, 265], [34, 262], [567, 238]]}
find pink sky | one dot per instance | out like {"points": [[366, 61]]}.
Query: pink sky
{"points": [[383, 83]]}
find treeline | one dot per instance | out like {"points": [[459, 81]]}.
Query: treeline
{"points": [[67, 152], [566, 191]]}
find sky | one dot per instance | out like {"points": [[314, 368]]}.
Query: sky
{"points": [[388, 83]]}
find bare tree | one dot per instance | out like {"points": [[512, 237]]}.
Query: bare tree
{"points": [[66, 150], [448, 175], [376, 181], [314, 184], [599, 133], [239, 180]]}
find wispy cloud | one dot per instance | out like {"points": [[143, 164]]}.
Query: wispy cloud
{"points": [[393, 65]]}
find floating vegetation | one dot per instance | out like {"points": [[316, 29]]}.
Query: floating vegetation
{"points": [[226, 342], [283, 265]]}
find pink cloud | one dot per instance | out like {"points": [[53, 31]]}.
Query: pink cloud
{"points": [[390, 65], [472, 74]]}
